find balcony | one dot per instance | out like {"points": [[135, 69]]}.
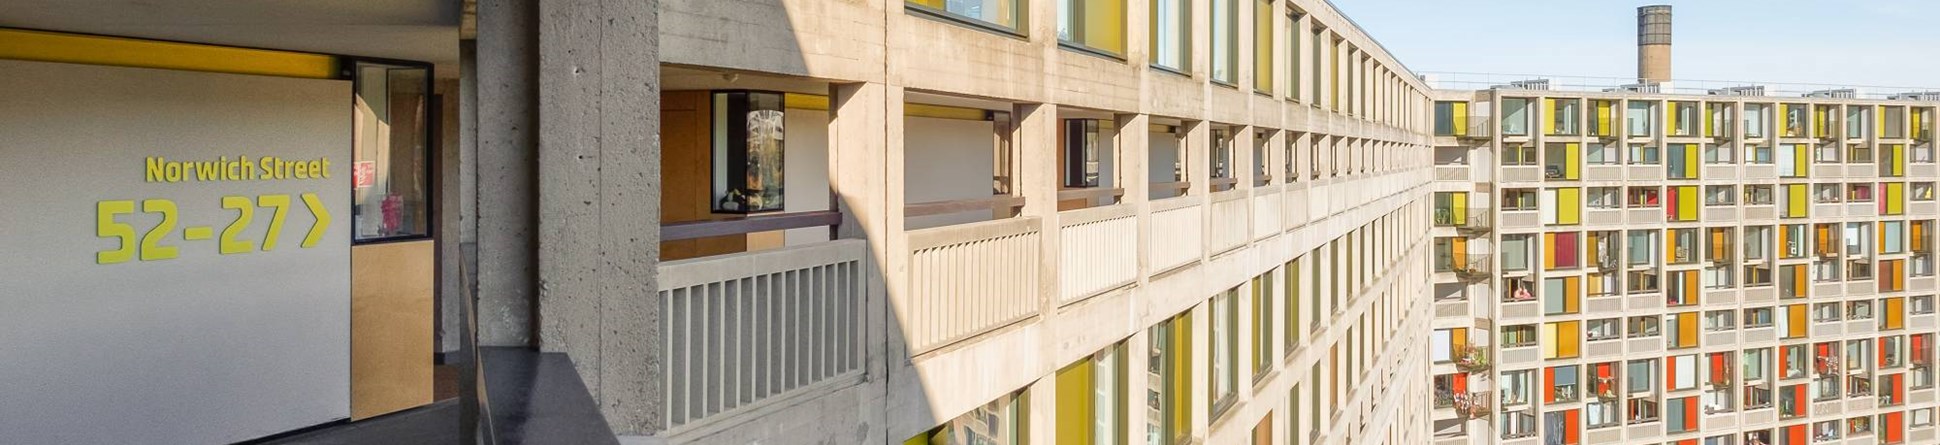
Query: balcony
{"points": [[1473, 360], [1476, 267], [1183, 224], [809, 299], [969, 278], [1478, 224], [1093, 254]]}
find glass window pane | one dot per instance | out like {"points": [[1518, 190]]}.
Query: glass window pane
{"points": [[391, 152]]}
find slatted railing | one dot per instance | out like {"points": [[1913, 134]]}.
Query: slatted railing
{"points": [[1177, 233], [968, 279], [746, 328], [1229, 221], [1266, 212], [1098, 251]]}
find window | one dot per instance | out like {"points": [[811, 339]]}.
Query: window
{"points": [[1641, 154], [1006, 15], [1684, 119], [1225, 44], [1097, 25], [1638, 117], [1518, 154], [1645, 326], [1169, 369], [1758, 317], [1451, 118], [1826, 154], [1000, 422], [1859, 310], [1515, 252], [1644, 197], [1755, 361], [1921, 191], [1091, 399], [1561, 385], [1562, 119], [1754, 120], [1684, 372], [1720, 195], [1758, 154], [1515, 116], [1515, 387], [391, 138], [1293, 55], [1171, 38], [1716, 154], [1518, 199], [1603, 329], [1262, 326], [1081, 140], [1859, 193], [1598, 153], [1758, 194], [1604, 198], [1225, 351], [1518, 336], [1641, 377], [1720, 320], [1263, 46]]}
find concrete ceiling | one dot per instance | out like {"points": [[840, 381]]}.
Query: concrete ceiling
{"points": [[419, 30]]}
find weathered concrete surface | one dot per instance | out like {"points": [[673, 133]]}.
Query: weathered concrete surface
{"points": [[599, 195], [506, 134]]}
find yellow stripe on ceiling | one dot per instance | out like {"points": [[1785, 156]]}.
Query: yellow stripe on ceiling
{"points": [[46, 46]]}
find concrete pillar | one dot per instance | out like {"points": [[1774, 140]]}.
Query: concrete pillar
{"points": [[457, 194], [1036, 142], [599, 200], [505, 133], [866, 174], [1134, 174]]}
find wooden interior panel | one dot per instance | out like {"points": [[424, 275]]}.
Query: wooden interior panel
{"points": [[390, 327], [687, 173]]}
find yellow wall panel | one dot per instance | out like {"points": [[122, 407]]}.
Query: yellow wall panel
{"points": [[1074, 410], [1569, 206]]}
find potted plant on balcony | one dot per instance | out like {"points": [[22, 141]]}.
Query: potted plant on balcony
{"points": [[1473, 359]]}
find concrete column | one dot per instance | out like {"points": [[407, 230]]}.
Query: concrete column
{"points": [[457, 193], [1134, 175], [1036, 143], [504, 130], [599, 200], [1243, 168], [1276, 158], [1198, 172], [866, 174]]}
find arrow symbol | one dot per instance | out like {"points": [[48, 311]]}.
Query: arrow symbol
{"points": [[323, 220]]}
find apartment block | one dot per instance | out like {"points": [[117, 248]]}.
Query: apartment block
{"points": [[1006, 222], [1636, 264]]}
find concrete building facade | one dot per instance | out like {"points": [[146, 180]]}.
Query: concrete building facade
{"points": [[1642, 264], [959, 222]]}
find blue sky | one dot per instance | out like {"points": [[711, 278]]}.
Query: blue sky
{"points": [[1848, 42]]}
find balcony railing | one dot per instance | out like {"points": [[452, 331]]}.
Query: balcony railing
{"points": [[1098, 251], [749, 327], [1472, 359], [1229, 220], [1177, 233], [968, 279], [1476, 266], [1477, 224]]}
